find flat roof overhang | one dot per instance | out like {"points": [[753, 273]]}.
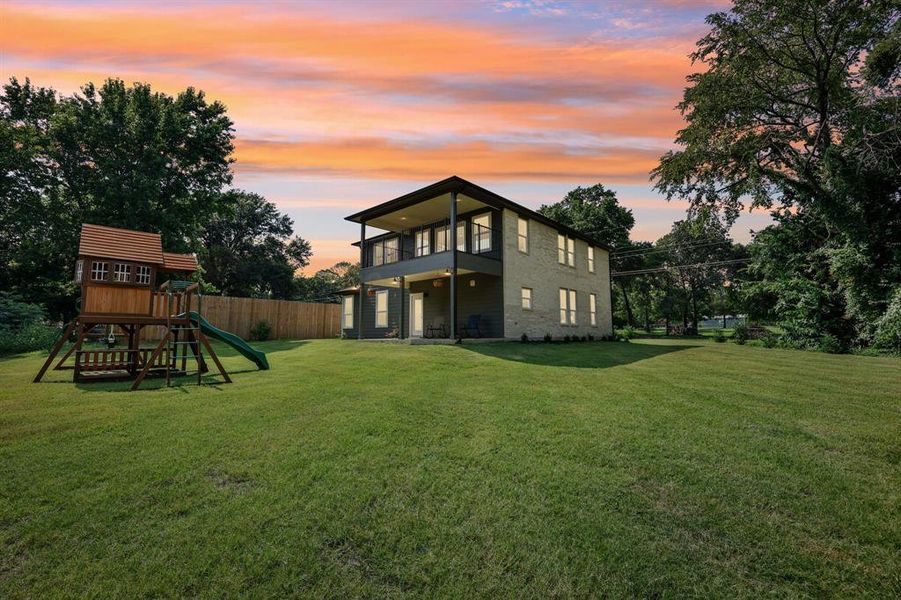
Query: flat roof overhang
{"points": [[391, 215]]}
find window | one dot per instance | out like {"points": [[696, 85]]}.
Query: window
{"points": [[79, 271], [441, 244], [567, 306], [571, 252], [561, 249], [142, 275], [461, 236], [391, 250], [381, 308], [99, 270], [347, 312], [378, 254], [590, 259], [572, 307], [481, 233], [423, 246], [564, 313], [121, 272], [527, 298], [593, 309], [522, 228]]}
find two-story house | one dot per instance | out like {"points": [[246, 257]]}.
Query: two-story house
{"points": [[457, 260]]}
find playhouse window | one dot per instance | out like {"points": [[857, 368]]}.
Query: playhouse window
{"points": [[121, 272], [79, 271], [142, 275], [99, 270]]}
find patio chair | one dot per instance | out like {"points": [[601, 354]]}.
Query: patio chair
{"points": [[436, 329], [472, 325]]}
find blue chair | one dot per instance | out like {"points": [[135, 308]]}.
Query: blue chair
{"points": [[472, 325]]}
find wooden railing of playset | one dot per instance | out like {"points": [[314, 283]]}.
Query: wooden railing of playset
{"points": [[115, 360]]}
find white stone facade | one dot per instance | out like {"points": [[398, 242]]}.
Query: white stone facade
{"points": [[539, 270]]}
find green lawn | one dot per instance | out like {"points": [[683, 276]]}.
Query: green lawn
{"points": [[651, 468]]}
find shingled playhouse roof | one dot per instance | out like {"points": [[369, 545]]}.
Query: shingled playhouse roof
{"points": [[125, 244]]}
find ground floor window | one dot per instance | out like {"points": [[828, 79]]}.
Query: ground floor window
{"points": [[347, 312], [567, 306], [381, 308], [593, 309], [79, 271], [527, 298]]}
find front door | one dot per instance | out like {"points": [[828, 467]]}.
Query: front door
{"points": [[415, 315]]}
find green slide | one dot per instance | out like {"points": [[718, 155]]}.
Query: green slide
{"points": [[245, 349]]}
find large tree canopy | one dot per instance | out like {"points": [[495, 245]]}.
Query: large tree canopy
{"points": [[798, 112], [595, 212], [247, 248], [114, 155]]}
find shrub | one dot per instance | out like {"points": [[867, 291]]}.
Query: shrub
{"points": [[719, 336], [524, 339], [627, 333], [740, 334], [566, 339], [548, 338], [888, 327], [260, 332], [770, 340], [829, 343], [584, 338], [33, 336], [15, 315], [590, 337]]}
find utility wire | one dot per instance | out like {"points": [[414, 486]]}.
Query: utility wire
{"points": [[715, 263], [654, 249]]}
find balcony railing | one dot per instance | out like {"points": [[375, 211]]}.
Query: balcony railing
{"points": [[482, 241]]}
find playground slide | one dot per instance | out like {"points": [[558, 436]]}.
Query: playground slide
{"points": [[243, 348]]}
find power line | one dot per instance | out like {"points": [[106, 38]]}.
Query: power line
{"points": [[653, 249], [715, 263]]}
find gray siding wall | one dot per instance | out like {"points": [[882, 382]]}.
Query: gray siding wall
{"points": [[395, 297], [485, 298]]}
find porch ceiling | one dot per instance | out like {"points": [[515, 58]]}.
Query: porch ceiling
{"points": [[422, 213], [424, 276]]}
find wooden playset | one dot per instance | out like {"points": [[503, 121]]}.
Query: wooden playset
{"points": [[117, 271]]}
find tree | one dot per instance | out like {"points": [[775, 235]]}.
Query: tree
{"points": [[115, 155], [325, 284], [247, 249], [798, 111], [687, 248]]}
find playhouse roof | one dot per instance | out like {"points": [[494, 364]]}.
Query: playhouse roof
{"points": [[101, 241], [179, 262], [111, 242]]}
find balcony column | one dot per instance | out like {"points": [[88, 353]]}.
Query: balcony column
{"points": [[362, 291], [400, 329], [453, 274]]}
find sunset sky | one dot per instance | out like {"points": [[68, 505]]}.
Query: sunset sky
{"points": [[339, 106]]}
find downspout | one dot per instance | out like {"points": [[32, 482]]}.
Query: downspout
{"points": [[362, 258]]}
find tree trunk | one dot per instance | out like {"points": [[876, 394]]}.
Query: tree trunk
{"points": [[629, 317], [694, 310]]}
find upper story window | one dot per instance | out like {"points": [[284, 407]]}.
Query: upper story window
{"points": [[561, 249], [423, 245], [347, 312], [79, 271], [121, 272], [591, 259], [381, 308], [461, 236], [391, 254], [441, 244], [378, 254], [142, 275], [566, 250], [481, 233], [99, 270], [571, 252], [522, 234]]}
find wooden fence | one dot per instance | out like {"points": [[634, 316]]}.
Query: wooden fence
{"points": [[288, 319]]}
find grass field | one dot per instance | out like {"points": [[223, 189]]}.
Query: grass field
{"points": [[651, 468]]}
